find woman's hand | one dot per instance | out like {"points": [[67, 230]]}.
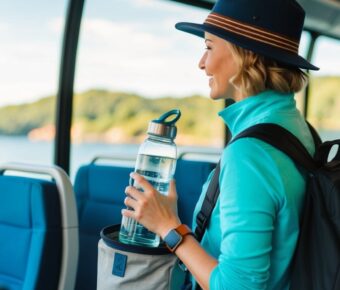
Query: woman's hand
{"points": [[157, 212]]}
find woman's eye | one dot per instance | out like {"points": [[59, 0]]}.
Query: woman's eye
{"points": [[207, 47]]}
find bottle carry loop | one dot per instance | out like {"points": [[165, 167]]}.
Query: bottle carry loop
{"points": [[162, 119]]}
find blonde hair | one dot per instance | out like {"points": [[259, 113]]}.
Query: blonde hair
{"points": [[258, 73]]}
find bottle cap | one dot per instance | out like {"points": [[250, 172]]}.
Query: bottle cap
{"points": [[162, 128]]}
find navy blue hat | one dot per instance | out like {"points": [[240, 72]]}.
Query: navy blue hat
{"points": [[271, 28]]}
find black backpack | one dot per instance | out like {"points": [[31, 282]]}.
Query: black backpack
{"points": [[316, 263]]}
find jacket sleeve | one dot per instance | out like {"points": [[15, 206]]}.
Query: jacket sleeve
{"points": [[249, 200]]}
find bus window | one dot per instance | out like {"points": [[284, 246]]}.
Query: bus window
{"points": [[324, 103], [31, 35], [132, 66]]}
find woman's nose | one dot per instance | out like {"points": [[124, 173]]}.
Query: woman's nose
{"points": [[201, 63]]}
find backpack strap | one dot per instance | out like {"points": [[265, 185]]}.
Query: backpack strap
{"points": [[315, 135], [272, 134], [283, 140], [208, 204]]}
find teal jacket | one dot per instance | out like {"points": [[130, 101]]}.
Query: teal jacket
{"points": [[254, 227]]}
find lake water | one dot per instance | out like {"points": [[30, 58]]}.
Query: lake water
{"points": [[21, 149]]}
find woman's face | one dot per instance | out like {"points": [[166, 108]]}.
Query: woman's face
{"points": [[219, 64]]}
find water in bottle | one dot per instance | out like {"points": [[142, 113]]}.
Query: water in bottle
{"points": [[156, 161]]}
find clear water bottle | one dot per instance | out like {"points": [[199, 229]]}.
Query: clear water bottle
{"points": [[156, 161]]}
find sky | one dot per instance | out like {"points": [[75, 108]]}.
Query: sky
{"points": [[124, 45]]}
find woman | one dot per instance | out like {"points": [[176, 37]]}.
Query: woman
{"points": [[252, 46]]}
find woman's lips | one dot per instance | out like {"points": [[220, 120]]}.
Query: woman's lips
{"points": [[210, 81]]}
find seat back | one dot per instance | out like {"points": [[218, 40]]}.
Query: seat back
{"points": [[190, 176], [35, 243], [100, 197]]}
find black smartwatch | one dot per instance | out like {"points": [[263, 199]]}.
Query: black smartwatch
{"points": [[175, 237]]}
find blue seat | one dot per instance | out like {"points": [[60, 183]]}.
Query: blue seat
{"points": [[100, 197], [190, 176], [32, 233], [28, 221]]}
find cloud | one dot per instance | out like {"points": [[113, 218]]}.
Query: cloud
{"points": [[29, 65], [31, 72], [125, 56], [3, 27], [120, 36], [56, 25], [113, 52]]}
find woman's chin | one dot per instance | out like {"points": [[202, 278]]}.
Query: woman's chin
{"points": [[215, 96]]}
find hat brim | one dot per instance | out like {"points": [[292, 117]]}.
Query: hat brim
{"points": [[280, 55]]}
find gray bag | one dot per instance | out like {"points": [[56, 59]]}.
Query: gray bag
{"points": [[126, 267]]}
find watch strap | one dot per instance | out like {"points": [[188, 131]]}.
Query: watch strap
{"points": [[184, 230]]}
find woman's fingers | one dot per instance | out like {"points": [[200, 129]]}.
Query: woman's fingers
{"points": [[133, 210], [135, 214], [156, 212], [141, 181], [128, 213], [130, 202], [134, 192], [136, 200]]}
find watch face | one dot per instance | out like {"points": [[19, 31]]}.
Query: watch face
{"points": [[173, 239]]}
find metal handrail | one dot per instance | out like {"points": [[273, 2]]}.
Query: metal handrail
{"points": [[182, 154], [115, 157], [200, 154]]}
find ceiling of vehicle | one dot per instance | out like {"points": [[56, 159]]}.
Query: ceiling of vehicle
{"points": [[322, 16]]}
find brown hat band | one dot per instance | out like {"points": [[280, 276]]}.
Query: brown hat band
{"points": [[255, 33]]}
